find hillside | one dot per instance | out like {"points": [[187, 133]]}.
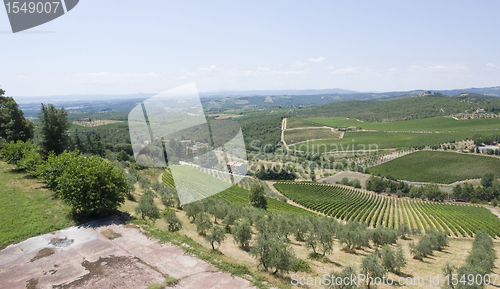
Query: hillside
{"points": [[402, 108]]}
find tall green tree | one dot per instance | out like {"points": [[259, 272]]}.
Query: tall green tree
{"points": [[257, 198], [13, 125], [54, 129]]}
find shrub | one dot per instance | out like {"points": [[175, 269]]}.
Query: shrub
{"points": [[56, 165], [29, 162], [94, 186], [14, 151]]}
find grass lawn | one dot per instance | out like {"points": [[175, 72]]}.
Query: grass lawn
{"points": [[26, 208], [438, 123], [438, 167]]}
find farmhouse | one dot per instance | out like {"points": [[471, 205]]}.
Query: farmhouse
{"points": [[484, 149], [353, 128], [238, 168], [480, 110]]}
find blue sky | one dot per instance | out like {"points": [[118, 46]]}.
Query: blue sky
{"points": [[122, 46]]}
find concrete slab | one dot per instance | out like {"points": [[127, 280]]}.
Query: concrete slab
{"points": [[105, 254]]}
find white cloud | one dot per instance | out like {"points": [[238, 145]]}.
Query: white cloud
{"points": [[299, 63], [263, 69], [414, 67], [444, 68], [330, 67], [492, 65], [24, 77], [208, 69], [319, 59], [345, 70], [112, 78]]}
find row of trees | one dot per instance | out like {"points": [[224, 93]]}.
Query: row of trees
{"points": [[481, 261], [92, 186], [267, 235]]}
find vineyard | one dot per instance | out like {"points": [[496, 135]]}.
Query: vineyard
{"points": [[235, 194], [376, 210], [300, 135]]}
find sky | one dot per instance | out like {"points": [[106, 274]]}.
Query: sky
{"points": [[124, 46]]}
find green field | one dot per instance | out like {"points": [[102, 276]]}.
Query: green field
{"points": [[384, 140], [26, 208], [377, 210], [426, 124], [294, 122], [438, 167], [300, 135], [233, 194], [116, 125]]}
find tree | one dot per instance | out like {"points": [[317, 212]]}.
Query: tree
{"points": [[193, 209], [257, 198], [372, 266], [356, 183], [242, 233], [487, 180], [13, 125], [93, 186], [346, 274], [174, 223], [353, 235], [404, 230], [217, 235], [345, 181], [122, 156], [147, 206], [392, 261], [203, 223], [273, 252], [54, 129]]}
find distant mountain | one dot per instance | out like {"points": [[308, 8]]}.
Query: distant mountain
{"points": [[275, 92], [57, 99]]}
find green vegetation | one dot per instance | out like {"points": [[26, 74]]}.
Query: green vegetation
{"points": [[13, 125], [402, 107], [439, 123], [26, 208], [54, 129], [294, 122], [376, 210], [300, 135], [438, 167], [383, 140], [481, 261], [257, 198], [237, 195]]}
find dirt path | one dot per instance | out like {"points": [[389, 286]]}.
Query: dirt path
{"points": [[270, 185]]}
